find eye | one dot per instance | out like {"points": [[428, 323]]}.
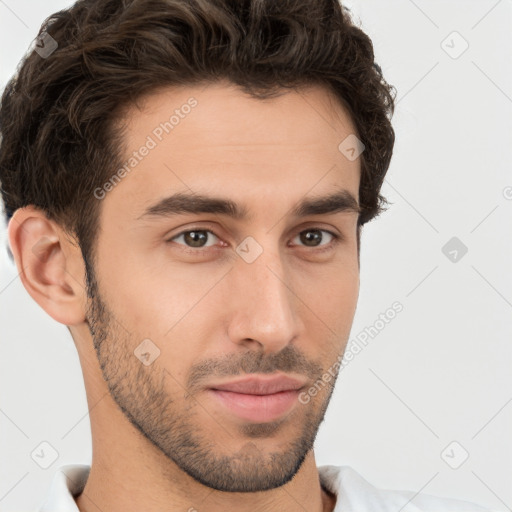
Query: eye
{"points": [[313, 237], [194, 238]]}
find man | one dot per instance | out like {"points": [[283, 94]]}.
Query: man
{"points": [[186, 184]]}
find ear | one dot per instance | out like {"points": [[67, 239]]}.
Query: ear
{"points": [[50, 265]]}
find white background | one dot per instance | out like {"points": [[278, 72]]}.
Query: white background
{"points": [[441, 370]]}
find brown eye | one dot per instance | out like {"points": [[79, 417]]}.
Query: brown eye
{"points": [[194, 238], [314, 237]]}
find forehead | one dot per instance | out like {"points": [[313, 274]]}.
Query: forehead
{"points": [[215, 139]]}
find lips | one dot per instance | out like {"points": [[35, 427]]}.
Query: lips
{"points": [[258, 399], [261, 385]]}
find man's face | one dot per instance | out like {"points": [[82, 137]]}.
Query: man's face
{"points": [[184, 302]]}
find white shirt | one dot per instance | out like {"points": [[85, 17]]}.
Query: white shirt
{"points": [[354, 493]]}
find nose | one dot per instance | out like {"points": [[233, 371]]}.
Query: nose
{"points": [[263, 304]]}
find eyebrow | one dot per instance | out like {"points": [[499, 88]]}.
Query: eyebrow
{"points": [[182, 203]]}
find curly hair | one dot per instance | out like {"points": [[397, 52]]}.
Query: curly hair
{"points": [[58, 115]]}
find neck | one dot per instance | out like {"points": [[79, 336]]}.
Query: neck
{"points": [[124, 483]]}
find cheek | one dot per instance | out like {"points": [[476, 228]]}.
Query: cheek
{"points": [[167, 307], [332, 300], [334, 287], [148, 296]]}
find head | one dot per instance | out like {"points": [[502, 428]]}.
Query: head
{"points": [[247, 114]]}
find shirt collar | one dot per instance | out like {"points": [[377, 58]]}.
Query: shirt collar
{"points": [[68, 482]]}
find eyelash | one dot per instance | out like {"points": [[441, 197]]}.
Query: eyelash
{"points": [[336, 238]]}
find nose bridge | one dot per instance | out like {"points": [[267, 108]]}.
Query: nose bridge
{"points": [[263, 303]]}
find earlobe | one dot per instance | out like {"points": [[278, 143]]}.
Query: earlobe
{"points": [[46, 263]]}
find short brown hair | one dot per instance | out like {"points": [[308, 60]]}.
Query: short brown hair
{"points": [[59, 140]]}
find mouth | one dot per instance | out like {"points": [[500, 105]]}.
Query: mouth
{"points": [[258, 398]]}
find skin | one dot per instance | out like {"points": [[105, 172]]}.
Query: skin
{"points": [[160, 442]]}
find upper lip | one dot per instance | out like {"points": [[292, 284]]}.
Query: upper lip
{"points": [[260, 385]]}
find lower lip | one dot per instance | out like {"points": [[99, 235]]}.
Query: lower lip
{"points": [[258, 408]]}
